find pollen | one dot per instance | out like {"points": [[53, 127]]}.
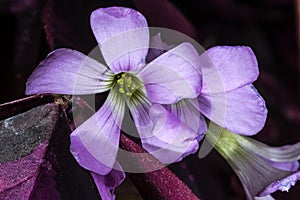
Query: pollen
{"points": [[121, 90], [127, 83]]}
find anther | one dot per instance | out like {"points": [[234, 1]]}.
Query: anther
{"points": [[120, 81], [121, 90]]}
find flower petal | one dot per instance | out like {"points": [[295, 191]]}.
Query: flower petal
{"points": [[254, 173], [139, 107], [67, 71], [171, 139], [123, 36], [283, 185], [241, 111], [173, 76], [226, 68], [286, 166], [106, 184], [287, 153], [268, 197], [95, 143], [156, 48], [185, 111]]}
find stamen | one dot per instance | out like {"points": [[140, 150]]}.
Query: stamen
{"points": [[120, 81], [127, 83], [121, 90]]}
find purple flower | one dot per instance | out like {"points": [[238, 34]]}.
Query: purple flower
{"points": [[235, 108], [123, 38], [227, 97], [238, 107]]}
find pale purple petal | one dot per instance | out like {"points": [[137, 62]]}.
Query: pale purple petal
{"points": [[173, 76], [283, 185], [95, 143], [106, 184], [156, 48], [287, 166], [139, 107], [171, 140], [185, 111], [67, 71], [284, 154], [226, 68], [241, 111], [123, 37], [268, 197]]}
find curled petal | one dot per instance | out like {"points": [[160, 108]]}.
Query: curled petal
{"points": [[283, 185], [226, 68], [106, 184], [67, 71], [268, 197], [123, 37], [287, 166], [173, 76], [241, 111], [95, 143], [287, 153], [171, 140]]}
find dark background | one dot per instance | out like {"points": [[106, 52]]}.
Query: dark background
{"points": [[31, 28]]}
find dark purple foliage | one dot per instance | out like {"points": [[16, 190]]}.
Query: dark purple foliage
{"points": [[35, 162]]}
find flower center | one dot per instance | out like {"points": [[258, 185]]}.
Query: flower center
{"points": [[127, 83]]}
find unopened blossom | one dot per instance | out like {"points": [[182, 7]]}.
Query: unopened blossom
{"points": [[123, 38], [262, 169]]}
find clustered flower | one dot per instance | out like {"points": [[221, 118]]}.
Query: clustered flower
{"points": [[170, 98]]}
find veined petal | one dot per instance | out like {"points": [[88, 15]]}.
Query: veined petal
{"points": [[268, 197], [287, 166], [172, 139], [173, 76], [226, 68], [67, 71], [95, 143], [283, 185], [106, 184], [123, 36], [241, 111], [287, 153], [139, 107], [185, 111]]}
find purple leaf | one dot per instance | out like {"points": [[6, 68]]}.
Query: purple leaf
{"points": [[35, 162]]}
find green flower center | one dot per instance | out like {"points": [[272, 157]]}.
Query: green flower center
{"points": [[127, 83], [225, 142]]}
